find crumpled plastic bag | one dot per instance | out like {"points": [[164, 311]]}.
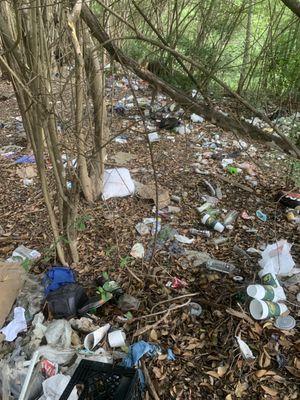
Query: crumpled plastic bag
{"points": [[59, 332], [117, 182], [54, 387], [277, 256]]}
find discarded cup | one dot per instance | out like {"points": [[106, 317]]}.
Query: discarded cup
{"points": [[212, 223], [116, 338], [260, 309], [195, 309], [92, 339], [267, 292], [285, 323]]}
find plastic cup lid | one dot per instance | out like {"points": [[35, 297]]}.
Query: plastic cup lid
{"points": [[285, 323], [238, 278], [195, 309]]}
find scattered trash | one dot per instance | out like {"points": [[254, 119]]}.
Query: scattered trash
{"points": [[197, 232], [30, 159], [220, 266], [142, 229], [262, 216], [260, 309], [137, 251], [12, 278], [116, 338], [153, 137], [182, 130], [117, 183], [285, 323], [138, 350], [114, 381], [291, 200], [245, 215], [94, 338], [122, 139], [277, 257], [17, 325], [24, 253], [183, 239], [261, 292], [245, 349], [176, 283], [197, 118], [128, 303], [54, 387], [232, 170], [195, 309], [230, 218], [169, 123], [56, 277], [170, 355], [65, 302], [211, 222]]}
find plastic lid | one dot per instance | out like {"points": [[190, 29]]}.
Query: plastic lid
{"points": [[285, 323]]}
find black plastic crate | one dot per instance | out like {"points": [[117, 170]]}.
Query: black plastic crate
{"points": [[99, 381]]}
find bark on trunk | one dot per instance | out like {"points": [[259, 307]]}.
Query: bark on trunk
{"points": [[293, 5]]}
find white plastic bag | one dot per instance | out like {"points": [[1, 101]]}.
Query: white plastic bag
{"points": [[117, 183], [54, 387], [278, 257], [59, 332]]}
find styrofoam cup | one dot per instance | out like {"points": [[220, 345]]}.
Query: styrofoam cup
{"points": [[116, 338], [260, 309]]}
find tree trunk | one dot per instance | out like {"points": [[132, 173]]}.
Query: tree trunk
{"points": [[246, 56], [293, 5]]}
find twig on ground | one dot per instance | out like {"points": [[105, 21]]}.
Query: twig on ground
{"points": [[149, 382]]}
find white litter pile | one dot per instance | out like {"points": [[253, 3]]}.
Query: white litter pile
{"points": [[117, 183]]}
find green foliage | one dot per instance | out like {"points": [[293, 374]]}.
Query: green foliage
{"points": [[124, 261], [80, 223], [295, 172]]}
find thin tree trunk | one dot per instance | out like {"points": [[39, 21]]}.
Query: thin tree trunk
{"points": [[293, 5]]}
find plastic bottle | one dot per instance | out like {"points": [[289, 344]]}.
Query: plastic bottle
{"points": [[211, 222], [230, 218], [197, 232], [220, 266]]}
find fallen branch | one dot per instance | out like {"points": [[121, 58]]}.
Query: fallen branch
{"points": [[149, 382], [174, 299]]}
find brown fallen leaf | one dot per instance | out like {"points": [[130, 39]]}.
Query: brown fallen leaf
{"points": [[240, 389], [293, 371], [240, 315], [153, 335], [260, 373], [264, 359], [270, 391], [214, 374], [222, 370]]}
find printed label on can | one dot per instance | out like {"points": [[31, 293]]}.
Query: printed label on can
{"points": [[269, 280], [274, 309], [269, 295]]}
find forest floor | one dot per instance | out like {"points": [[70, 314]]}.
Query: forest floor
{"points": [[208, 363]]}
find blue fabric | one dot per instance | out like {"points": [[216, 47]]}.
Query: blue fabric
{"points": [[25, 160], [171, 356], [56, 277], [137, 351]]}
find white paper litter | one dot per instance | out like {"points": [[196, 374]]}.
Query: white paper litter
{"points": [[183, 239], [137, 251], [278, 257], [245, 349], [17, 325], [117, 183], [54, 387], [197, 118]]}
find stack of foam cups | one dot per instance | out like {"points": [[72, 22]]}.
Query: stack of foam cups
{"points": [[266, 297]]}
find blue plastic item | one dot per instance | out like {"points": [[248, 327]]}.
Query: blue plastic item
{"points": [[56, 277], [26, 160]]}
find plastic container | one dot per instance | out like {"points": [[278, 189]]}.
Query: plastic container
{"points": [[212, 223], [104, 382], [25, 253], [220, 266], [197, 232], [116, 338], [268, 277], [230, 218], [268, 292], [260, 309]]}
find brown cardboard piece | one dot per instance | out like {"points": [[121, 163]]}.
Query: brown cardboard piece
{"points": [[12, 277]]}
